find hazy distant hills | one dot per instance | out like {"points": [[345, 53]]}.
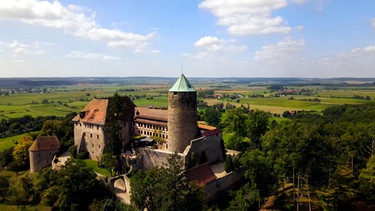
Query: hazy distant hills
{"points": [[61, 81]]}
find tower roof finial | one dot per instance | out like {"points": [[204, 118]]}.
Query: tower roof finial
{"points": [[182, 85]]}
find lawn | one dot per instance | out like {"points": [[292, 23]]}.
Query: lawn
{"points": [[94, 165], [8, 142]]}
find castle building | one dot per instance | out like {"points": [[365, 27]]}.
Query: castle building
{"points": [[151, 122], [91, 125], [199, 146], [42, 151], [177, 128]]}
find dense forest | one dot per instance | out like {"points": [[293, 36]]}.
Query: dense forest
{"points": [[313, 161]]}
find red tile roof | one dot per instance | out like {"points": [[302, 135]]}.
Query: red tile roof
{"points": [[206, 127], [209, 130], [164, 124], [94, 112], [151, 114], [202, 174], [45, 143]]}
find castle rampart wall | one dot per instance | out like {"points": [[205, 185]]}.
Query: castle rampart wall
{"points": [[155, 157], [211, 146], [221, 184]]}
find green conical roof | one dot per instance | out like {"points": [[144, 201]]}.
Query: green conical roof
{"points": [[182, 85]]}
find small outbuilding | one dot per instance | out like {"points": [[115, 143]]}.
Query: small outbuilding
{"points": [[42, 152]]}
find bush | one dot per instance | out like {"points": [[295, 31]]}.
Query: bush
{"points": [[73, 151], [83, 155]]}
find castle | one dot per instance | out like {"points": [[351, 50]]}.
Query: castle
{"points": [[177, 128], [200, 147]]}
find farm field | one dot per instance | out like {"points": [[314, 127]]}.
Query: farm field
{"points": [[62, 100]]}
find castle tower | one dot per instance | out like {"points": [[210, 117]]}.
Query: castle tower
{"points": [[182, 115]]}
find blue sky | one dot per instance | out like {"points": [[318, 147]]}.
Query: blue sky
{"points": [[201, 38]]}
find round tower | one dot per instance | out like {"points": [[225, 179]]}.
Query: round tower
{"points": [[182, 115]]}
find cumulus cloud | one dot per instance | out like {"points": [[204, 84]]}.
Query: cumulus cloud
{"points": [[286, 49], [248, 16], [91, 56], [213, 50], [22, 48], [208, 40], [356, 59], [72, 19], [209, 45]]}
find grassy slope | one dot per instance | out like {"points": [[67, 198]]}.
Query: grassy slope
{"points": [[8, 142], [94, 165]]}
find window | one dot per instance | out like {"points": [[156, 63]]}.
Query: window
{"points": [[90, 135], [92, 144], [99, 146], [97, 136], [97, 127]]}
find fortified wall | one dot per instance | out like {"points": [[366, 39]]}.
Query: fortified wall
{"points": [[210, 146], [221, 184], [206, 149]]}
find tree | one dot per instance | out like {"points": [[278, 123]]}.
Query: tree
{"points": [[260, 174], [258, 126], [6, 157], [28, 188], [166, 188], [342, 191], [4, 186], [116, 114], [367, 179], [78, 186], [63, 129], [212, 117], [235, 124], [21, 151]]}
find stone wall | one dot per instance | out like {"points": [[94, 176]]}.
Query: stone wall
{"points": [[182, 120], [90, 138], [154, 157], [222, 184], [41, 159], [211, 146]]}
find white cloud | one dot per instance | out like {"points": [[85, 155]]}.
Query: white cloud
{"points": [[91, 56], [72, 19], [22, 48], [208, 40], [209, 44], [285, 50], [299, 1], [247, 16], [373, 22]]}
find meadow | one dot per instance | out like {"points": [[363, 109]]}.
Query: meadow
{"points": [[62, 100]]}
